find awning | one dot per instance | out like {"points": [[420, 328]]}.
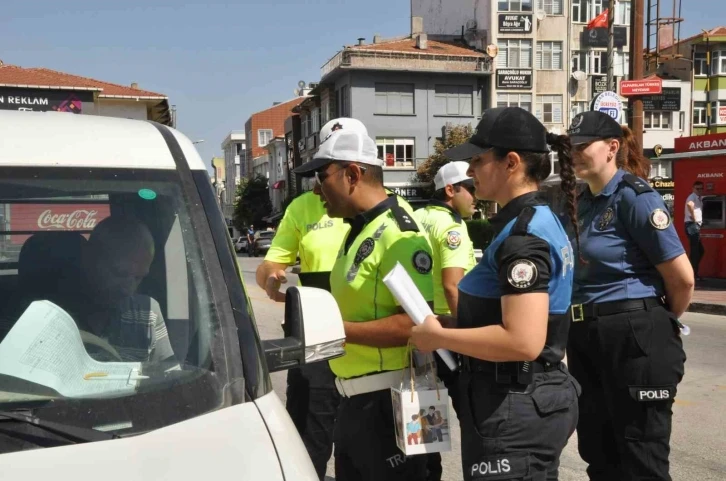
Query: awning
{"points": [[280, 184]]}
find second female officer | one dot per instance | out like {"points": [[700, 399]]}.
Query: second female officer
{"points": [[518, 403], [632, 282]]}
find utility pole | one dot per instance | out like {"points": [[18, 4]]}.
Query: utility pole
{"points": [[635, 104], [611, 45]]}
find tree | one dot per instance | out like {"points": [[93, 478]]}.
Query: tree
{"points": [[252, 202], [456, 135]]}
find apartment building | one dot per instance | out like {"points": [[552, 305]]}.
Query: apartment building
{"points": [[406, 90], [234, 147]]}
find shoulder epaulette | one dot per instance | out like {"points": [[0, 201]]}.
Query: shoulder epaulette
{"points": [[523, 220], [405, 221], [637, 184]]}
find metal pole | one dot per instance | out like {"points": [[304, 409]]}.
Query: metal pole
{"points": [[635, 108], [611, 45]]}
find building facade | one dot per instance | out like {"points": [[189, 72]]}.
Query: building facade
{"points": [[41, 90], [278, 174], [406, 91], [261, 128], [234, 147], [700, 61]]}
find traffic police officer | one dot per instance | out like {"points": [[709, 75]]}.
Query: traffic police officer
{"points": [[631, 284], [449, 237], [518, 403], [383, 232], [307, 231]]}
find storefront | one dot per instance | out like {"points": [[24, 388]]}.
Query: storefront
{"points": [[702, 159]]}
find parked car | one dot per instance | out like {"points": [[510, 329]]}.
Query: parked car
{"points": [[207, 409], [241, 244], [261, 243]]}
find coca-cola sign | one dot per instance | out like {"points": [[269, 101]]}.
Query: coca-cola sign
{"points": [[28, 218]]}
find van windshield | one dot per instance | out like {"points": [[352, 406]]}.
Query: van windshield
{"points": [[107, 320]]}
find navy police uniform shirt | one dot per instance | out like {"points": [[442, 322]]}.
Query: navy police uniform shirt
{"points": [[529, 253], [625, 231]]}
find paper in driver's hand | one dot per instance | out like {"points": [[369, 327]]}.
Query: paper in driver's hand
{"points": [[407, 294], [45, 347]]}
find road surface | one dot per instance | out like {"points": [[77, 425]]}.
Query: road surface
{"points": [[698, 449]]}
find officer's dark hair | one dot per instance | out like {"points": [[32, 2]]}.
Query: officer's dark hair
{"points": [[630, 156], [538, 168], [697, 183], [441, 193]]}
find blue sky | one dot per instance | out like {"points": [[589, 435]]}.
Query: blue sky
{"points": [[218, 61]]}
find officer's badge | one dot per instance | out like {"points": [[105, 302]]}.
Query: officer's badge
{"points": [[522, 274], [606, 218], [453, 239], [422, 262], [576, 122], [335, 127], [660, 219], [364, 250]]}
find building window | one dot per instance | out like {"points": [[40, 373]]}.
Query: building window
{"points": [[514, 53], [549, 56], [621, 64], [599, 63], [681, 121], [580, 61], [239, 148], [394, 99], [699, 113], [622, 12], [396, 152], [549, 109], [523, 101], [718, 62], [550, 7], [454, 100], [700, 67], [315, 121], [515, 5], [344, 101], [324, 111], [264, 137], [657, 120], [306, 125], [585, 10], [578, 108]]}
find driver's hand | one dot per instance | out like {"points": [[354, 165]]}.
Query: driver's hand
{"points": [[272, 286]]}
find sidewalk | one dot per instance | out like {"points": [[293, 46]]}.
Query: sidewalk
{"points": [[709, 297]]}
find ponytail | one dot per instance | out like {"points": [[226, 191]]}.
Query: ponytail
{"points": [[568, 184], [630, 156]]}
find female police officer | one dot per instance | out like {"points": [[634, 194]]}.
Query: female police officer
{"points": [[624, 345], [518, 403]]}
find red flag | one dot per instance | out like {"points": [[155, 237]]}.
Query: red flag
{"points": [[601, 21]]}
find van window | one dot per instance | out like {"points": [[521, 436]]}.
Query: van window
{"points": [[107, 320]]}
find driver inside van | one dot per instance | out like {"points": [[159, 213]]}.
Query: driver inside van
{"points": [[119, 324]]}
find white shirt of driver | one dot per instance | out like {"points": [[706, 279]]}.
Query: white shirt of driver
{"points": [[697, 209]]}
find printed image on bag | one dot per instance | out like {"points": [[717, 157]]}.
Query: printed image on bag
{"points": [[421, 414]]}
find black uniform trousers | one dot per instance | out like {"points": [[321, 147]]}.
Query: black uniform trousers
{"points": [[629, 365], [312, 402], [514, 431], [365, 442], [696, 250]]}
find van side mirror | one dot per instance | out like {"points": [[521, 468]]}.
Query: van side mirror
{"points": [[313, 330]]}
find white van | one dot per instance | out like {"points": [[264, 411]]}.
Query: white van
{"points": [[128, 347]]}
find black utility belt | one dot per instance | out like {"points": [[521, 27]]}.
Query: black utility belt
{"points": [[508, 372], [586, 312]]}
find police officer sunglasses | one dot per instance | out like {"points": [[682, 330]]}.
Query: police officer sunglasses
{"points": [[321, 176], [469, 187]]}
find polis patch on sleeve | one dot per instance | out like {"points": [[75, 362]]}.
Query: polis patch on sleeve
{"points": [[422, 262], [453, 239], [660, 219], [522, 273]]}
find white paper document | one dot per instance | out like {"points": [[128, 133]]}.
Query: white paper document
{"points": [[407, 294], [45, 347]]}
